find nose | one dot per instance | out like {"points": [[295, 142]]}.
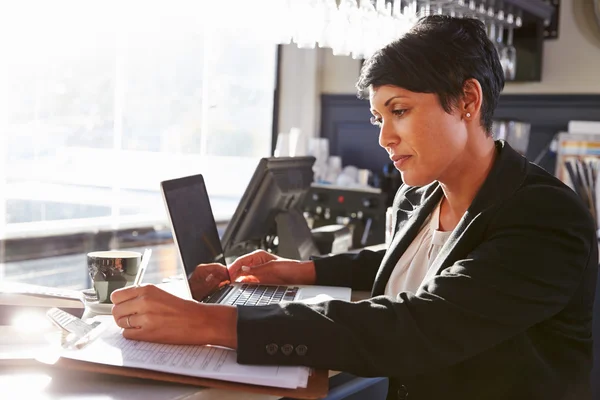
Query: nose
{"points": [[387, 136]]}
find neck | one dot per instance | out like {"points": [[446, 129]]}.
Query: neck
{"points": [[461, 185]]}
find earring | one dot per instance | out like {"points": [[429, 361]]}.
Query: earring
{"points": [[468, 115]]}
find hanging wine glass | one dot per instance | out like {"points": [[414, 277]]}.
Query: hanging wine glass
{"points": [[362, 29], [472, 8], [307, 27], [500, 40], [384, 27], [425, 9], [375, 33], [496, 30], [411, 11], [327, 35], [282, 26], [509, 55], [340, 41], [401, 19]]}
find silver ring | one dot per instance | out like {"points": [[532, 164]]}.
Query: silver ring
{"points": [[128, 323]]}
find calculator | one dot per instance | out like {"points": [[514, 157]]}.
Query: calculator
{"points": [[69, 322]]}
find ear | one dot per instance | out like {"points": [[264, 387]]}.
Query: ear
{"points": [[472, 100]]}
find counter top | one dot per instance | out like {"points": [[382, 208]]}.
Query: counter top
{"points": [[29, 379], [33, 380]]}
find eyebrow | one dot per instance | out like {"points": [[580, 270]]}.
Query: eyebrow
{"points": [[391, 98], [388, 101]]}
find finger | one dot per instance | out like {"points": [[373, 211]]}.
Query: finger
{"points": [[205, 283], [202, 289], [257, 270], [257, 278], [242, 271], [144, 333], [126, 308], [248, 279], [134, 334], [216, 271], [124, 294], [255, 258], [218, 274], [209, 268], [129, 322], [235, 266], [137, 304], [208, 282]]}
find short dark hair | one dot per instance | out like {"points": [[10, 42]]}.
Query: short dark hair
{"points": [[437, 56]]}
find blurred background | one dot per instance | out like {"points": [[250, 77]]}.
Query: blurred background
{"points": [[100, 102]]}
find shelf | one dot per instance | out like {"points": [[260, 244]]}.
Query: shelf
{"points": [[537, 8]]}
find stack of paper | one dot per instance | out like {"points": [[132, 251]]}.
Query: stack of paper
{"points": [[20, 298], [578, 165], [111, 348], [584, 127]]}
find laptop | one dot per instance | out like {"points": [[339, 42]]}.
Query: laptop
{"points": [[197, 239]]}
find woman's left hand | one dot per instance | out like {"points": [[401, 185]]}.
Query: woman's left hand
{"points": [[150, 314]]}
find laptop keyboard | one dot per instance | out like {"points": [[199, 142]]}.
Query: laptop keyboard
{"points": [[261, 295]]}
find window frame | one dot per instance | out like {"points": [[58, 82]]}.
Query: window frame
{"points": [[99, 234]]}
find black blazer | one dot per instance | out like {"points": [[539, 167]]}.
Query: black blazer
{"points": [[505, 313]]}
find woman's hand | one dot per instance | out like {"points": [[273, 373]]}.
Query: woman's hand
{"points": [[150, 314], [263, 267], [206, 279]]}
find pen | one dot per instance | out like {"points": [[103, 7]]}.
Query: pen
{"points": [[89, 337], [143, 266]]}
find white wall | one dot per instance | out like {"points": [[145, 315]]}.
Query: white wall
{"points": [[338, 73], [305, 75], [299, 96]]}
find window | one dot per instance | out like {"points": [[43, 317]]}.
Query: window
{"points": [[102, 102], [98, 113]]}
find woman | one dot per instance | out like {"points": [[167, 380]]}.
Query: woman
{"points": [[486, 290]]}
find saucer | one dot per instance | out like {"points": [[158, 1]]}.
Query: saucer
{"points": [[92, 305], [98, 308]]}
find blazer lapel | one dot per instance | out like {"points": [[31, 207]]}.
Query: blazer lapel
{"points": [[467, 226], [504, 179], [417, 206]]}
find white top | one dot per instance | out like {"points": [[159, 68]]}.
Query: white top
{"points": [[412, 266]]}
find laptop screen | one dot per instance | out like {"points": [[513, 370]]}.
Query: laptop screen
{"points": [[192, 222]]}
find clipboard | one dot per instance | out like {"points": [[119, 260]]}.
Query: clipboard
{"points": [[317, 387]]}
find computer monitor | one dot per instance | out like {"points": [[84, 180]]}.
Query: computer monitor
{"points": [[269, 215]]}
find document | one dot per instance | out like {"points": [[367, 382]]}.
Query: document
{"points": [[111, 348]]}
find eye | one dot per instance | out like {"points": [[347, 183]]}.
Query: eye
{"points": [[376, 121], [399, 113]]}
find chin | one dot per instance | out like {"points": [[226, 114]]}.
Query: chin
{"points": [[412, 179]]}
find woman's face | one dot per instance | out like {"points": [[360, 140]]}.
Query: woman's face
{"points": [[422, 139]]}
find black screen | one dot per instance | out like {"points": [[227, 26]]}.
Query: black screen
{"points": [[192, 222], [277, 189]]}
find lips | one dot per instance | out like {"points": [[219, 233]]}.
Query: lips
{"points": [[399, 159]]}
